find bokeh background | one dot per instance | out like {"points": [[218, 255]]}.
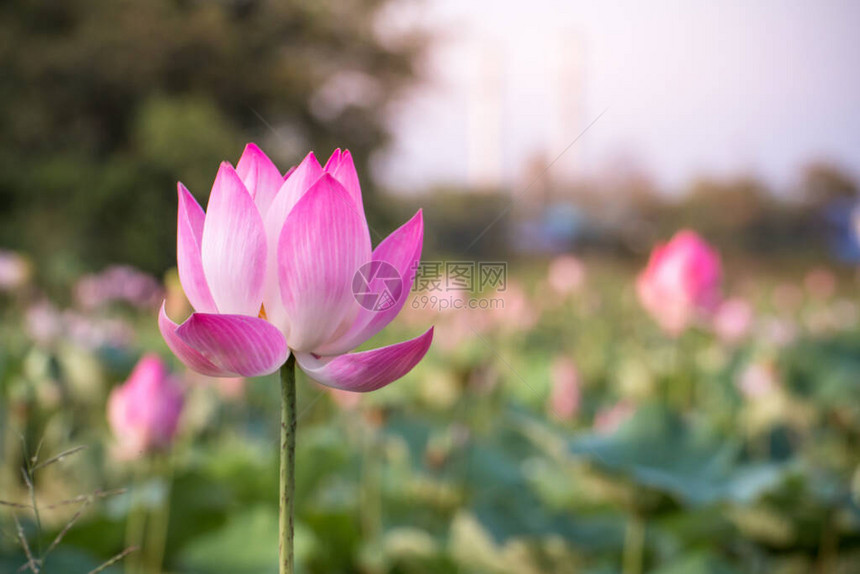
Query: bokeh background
{"points": [[553, 427]]}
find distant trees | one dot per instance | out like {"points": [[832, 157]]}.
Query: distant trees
{"points": [[823, 183], [624, 212], [104, 104], [744, 213]]}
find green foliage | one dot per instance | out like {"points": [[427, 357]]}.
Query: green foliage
{"points": [[659, 450], [462, 466], [247, 544], [699, 564]]}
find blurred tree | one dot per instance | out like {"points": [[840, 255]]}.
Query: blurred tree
{"points": [[728, 204], [830, 195], [823, 183], [104, 104]]}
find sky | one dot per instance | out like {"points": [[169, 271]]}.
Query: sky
{"points": [[681, 89]]}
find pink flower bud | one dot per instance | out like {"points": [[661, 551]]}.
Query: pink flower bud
{"points": [[681, 282], [144, 411], [565, 396]]}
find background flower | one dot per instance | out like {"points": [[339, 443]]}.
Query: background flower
{"points": [[681, 282], [144, 411]]}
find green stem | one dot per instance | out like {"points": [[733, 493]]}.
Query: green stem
{"points": [[288, 465], [32, 485], [634, 545], [680, 378], [828, 547], [370, 493], [159, 519], [135, 521]]}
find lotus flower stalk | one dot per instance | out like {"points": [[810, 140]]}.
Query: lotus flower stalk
{"points": [[270, 270]]}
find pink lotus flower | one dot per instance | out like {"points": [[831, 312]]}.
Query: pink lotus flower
{"points": [[779, 332], [681, 282], [757, 380], [144, 411], [269, 270], [566, 274], [15, 271], [565, 396], [733, 320], [43, 322], [120, 283], [609, 419]]}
